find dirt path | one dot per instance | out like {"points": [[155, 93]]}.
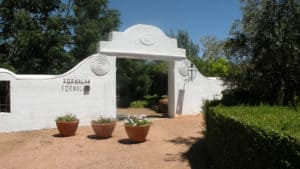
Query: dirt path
{"points": [[168, 139], [139, 111]]}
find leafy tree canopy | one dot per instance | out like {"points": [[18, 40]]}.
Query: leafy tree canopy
{"points": [[213, 61], [91, 22], [212, 48], [266, 44], [184, 41], [50, 36]]}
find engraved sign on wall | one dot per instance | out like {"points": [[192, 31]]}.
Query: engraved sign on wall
{"points": [[76, 85]]}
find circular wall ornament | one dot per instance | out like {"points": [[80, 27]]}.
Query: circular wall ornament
{"points": [[147, 40], [100, 65], [183, 68]]}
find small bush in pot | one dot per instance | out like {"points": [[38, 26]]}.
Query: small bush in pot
{"points": [[67, 124], [137, 127], [103, 127]]}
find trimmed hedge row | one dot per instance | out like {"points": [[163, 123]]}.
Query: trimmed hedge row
{"points": [[262, 137]]}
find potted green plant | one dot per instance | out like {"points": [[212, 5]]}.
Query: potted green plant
{"points": [[67, 124], [103, 127], [137, 127]]}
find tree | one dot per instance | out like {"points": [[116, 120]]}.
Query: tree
{"points": [[184, 41], [92, 21], [212, 48], [32, 36], [50, 36], [141, 79], [133, 79], [213, 62], [266, 44], [158, 73]]}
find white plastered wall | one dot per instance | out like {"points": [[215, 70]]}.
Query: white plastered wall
{"points": [[36, 100], [193, 89]]}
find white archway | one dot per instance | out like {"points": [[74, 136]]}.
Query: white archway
{"points": [[150, 43]]}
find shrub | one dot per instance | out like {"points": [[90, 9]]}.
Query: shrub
{"points": [[137, 120], [261, 137], [139, 104], [164, 96], [66, 118], [151, 99], [104, 120]]}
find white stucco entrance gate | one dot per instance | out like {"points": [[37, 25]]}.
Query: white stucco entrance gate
{"points": [[187, 88], [149, 43], [29, 102]]}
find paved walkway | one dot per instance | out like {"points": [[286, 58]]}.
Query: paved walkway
{"points": [[168, 140]]}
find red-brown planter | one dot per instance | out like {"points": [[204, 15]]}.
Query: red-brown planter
{"points": [[103, 130], [67, 128], [137, 133], [163, 105]]}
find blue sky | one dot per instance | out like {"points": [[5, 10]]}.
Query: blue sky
{"points": [[198, 17]]}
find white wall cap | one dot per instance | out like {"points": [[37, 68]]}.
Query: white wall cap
{"points": [[213, 78], [43, 77], [144, 41]]}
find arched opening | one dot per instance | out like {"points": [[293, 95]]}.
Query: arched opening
{"points": [[142, 87], [148, 43]]}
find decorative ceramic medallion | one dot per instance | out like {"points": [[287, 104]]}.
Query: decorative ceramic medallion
{"points": [[147, 40], [187, 70], [100, 65], [183, 68]]}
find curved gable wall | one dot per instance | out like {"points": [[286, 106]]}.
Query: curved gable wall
{"points": [[36, 100], [142, 41]]}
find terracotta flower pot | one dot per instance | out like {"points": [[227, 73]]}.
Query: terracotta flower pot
{"points": [[163, 105], [103, 130], [67, 128], [137, 133]]}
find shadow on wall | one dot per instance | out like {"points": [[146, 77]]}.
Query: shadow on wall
{"points": [[180, 101]]}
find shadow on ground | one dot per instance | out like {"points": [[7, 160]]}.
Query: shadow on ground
{"points": [[128, 142], [197, 155], [57, 135], [158, 116], [94, 137], [121, 117], [181, 140]]}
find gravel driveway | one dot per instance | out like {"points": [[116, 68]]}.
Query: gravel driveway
{"points": [[168, 140]]}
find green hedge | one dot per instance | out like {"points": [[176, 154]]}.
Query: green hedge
{"points": [[244, 137]]}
